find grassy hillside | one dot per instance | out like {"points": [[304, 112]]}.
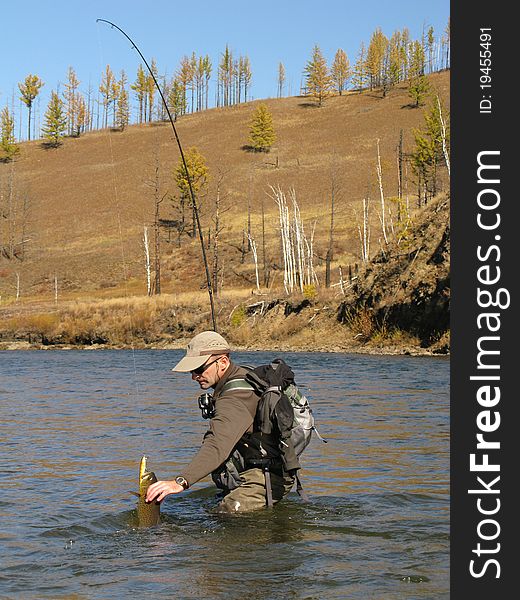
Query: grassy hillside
{"points": [[87, 201]]}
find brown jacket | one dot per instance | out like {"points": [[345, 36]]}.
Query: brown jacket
{"points": [[234, 415]]}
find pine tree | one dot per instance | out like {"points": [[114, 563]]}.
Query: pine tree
{"points": [[261, 132], [55, 122], [7, 140], [318, 79], [340, 71], [29, 89]]}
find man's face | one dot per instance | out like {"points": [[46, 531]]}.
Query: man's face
{"points": [[209, 374]]}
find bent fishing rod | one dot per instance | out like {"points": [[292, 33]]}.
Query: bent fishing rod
{"points": [[188, 176]]}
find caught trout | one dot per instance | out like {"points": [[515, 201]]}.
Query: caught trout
{"points": [[148, 513]]}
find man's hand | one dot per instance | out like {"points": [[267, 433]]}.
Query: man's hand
{"points": [[160, 489]]}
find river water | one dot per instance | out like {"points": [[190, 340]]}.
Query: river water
{"points": [[74, 425]]}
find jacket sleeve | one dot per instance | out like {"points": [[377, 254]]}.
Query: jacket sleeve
{"points": [[232, 419]]}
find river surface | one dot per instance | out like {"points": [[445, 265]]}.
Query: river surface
{"points": [[74, 425]]}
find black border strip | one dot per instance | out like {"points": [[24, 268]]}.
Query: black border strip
{"points": [[474, 131]]}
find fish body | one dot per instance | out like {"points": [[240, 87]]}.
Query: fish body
{"points": [[148, 513]]}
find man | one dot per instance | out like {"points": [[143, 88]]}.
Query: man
{"points": [[231, 448]]}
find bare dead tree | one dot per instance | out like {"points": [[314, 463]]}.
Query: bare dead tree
{"points": [[285, 237], [219, 211], [252, 244], [14, 217], [330, 250], [296, 250], [264, 255], [443, 136], [364, 232], [380, 180], [158, 197], [399, 174], [147, 262]]}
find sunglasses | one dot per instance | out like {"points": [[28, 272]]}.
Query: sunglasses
{"points": [[203, 367]]}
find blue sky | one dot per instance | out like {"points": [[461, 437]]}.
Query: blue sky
{"points": [[45, 37]]}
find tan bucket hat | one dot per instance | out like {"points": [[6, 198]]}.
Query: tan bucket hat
{"points": [[201, 347]]}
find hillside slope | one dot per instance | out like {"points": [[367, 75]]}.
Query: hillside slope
{"points": [[89, 200], [407, 287]]}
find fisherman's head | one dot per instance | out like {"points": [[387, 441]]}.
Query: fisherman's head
{"points": [[207, 359]]}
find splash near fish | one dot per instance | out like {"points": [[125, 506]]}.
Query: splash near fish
{"points": [[148, 513]]}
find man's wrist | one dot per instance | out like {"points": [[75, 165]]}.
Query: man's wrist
{"points": [[182, 481]]}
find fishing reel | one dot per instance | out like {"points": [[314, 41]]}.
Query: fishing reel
{"points": [[207, 406]]}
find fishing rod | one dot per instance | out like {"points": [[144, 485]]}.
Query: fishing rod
{"points": [[188, 176]]}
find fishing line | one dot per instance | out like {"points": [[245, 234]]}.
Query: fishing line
{"points": [[125, 269], [187, 171]]}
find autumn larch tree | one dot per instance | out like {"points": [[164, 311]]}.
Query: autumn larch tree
{"points": [[82, 115], [7, 140], [198, 172], [244, 75], [208, 67], [29, 89], [225, 78], [108, 90], [340, 71], [70, 95], [375, 58], [177, 99], [151, 89], [418, 85], [122, 106], [359, 73], [55, 121], [318, 79], [431, 149], [185, 75], [261, 132], [139, 87]]}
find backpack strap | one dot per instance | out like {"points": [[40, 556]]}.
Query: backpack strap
{"points": [[237, 384]]}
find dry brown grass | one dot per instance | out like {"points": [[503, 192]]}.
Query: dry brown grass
{"points": [[89, 198]]}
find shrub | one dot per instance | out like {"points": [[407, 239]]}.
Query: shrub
{"points": [[238, 315], [309, 291]]}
